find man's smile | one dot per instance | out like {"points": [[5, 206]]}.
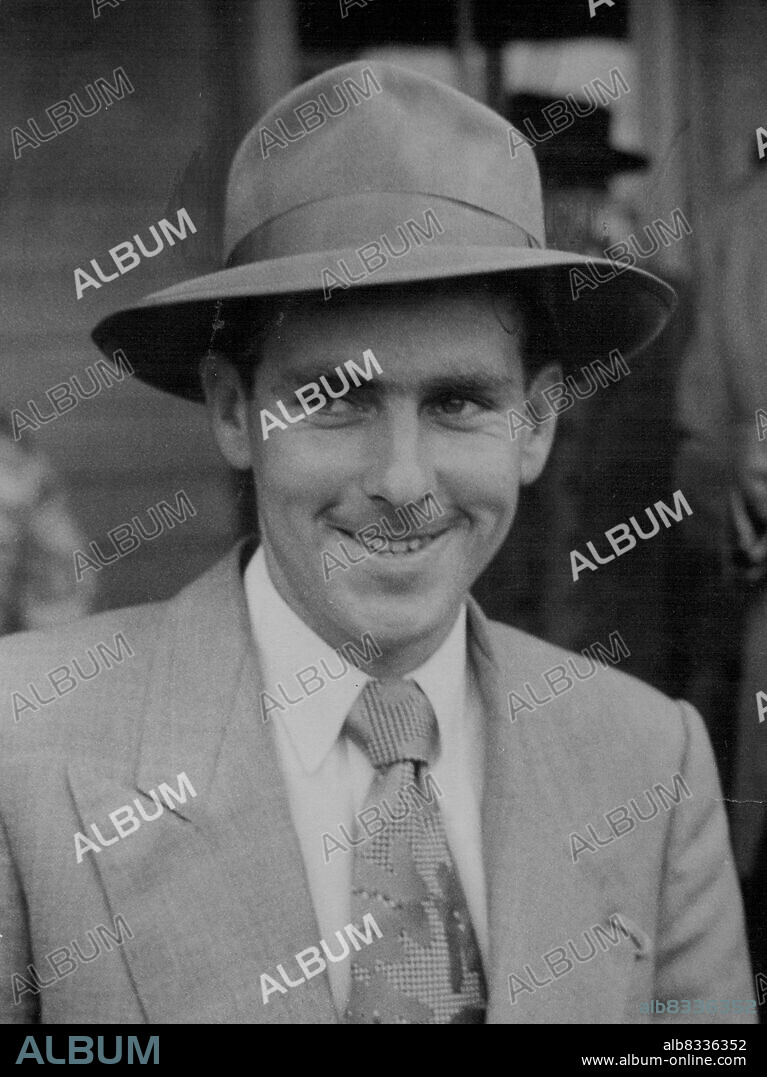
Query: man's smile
{"points": [[410, 545]]}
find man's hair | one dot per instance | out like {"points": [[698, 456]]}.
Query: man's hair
{"points": [[242, 325]]}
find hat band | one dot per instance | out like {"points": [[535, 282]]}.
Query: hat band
{"points": [[397, 220]]}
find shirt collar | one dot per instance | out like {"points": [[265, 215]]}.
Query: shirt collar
{"points": [[286, 646]]}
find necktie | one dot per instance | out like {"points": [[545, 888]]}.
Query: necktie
{"points": [[426, 968]]}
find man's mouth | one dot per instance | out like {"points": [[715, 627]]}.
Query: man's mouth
{"points": [[397, 547]]}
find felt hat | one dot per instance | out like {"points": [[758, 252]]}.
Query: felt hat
{"points": [[370, 175], [578, 155]]}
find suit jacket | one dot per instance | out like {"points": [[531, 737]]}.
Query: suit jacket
{"points": [[215, 892]]}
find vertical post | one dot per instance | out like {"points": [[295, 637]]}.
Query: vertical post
{"points": [[267, 55], [469, 55], [269, 61], [662, 67], [494, 77]]}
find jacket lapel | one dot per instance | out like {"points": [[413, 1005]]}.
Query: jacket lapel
{"points": [[214, 892], [537, 898]]}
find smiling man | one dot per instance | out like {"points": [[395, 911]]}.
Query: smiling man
{"points": [[390, 797]]}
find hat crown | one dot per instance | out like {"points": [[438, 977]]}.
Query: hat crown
{"points": [[369, 176], [372, 128]]}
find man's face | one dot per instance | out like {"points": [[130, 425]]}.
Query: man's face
{"points": [[433, 422]]}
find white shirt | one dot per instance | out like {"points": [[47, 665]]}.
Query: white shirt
{"points": [[328, 778]]}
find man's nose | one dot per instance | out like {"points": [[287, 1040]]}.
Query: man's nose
{"points": [[398, 467]]}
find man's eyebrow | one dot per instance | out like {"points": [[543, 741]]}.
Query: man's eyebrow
{"points": [[297, 378], [469, 383]]}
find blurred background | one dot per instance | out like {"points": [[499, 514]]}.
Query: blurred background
{"points": [[690, 604]]}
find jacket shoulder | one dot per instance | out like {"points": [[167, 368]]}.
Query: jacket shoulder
{"points": [[597, 700], [43, 646], [82, 688], [55, 683]]}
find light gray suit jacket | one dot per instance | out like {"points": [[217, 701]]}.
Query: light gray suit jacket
{"points": [[215, 892]]}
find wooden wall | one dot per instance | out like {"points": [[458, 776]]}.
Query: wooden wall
{"points": [[94, 185]]}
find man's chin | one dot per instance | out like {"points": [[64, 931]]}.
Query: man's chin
{"points": [[399, 625]]}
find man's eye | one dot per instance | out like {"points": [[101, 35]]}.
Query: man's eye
{"points": [[340, 405], [461, 407]]}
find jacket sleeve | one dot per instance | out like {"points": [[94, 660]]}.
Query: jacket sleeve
{"points": [[702, 952], [18, 1003]]}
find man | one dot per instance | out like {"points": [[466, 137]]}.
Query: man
{"points": [[722, 396], [386, 840]]}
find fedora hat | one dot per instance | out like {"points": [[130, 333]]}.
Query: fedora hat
{"points": [[580, 154], [375, 158]]}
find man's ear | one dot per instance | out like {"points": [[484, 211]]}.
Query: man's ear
{"points": [[228, 409], [535, 444]]}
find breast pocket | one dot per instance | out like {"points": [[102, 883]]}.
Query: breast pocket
{"points": [[639, 961]]}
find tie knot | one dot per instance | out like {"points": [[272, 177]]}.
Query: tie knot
{"points": [[393, 722]]}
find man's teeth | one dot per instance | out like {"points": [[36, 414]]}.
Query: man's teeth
{"points": [[399, 546]]}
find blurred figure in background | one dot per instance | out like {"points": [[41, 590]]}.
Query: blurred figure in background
{"points": [[723, 461], [38, 538]]}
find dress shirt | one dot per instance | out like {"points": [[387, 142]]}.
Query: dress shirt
{"points": [[328, 777]]}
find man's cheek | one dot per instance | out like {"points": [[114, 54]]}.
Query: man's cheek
{"points": [[504, 508], [489, 480], [277, 465], [489, 451]]}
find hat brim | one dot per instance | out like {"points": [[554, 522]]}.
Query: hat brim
{"points": [[166, 335], [584, 159]]}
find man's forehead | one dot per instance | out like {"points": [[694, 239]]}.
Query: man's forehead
{"points": [[418, 339]]}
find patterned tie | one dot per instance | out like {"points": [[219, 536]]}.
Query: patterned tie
{"points": [[426, 968]]}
